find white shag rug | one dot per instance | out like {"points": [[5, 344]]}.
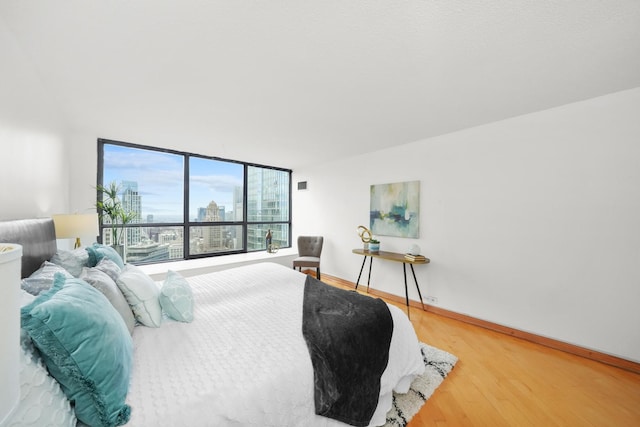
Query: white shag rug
{"points": [[438, 364]]}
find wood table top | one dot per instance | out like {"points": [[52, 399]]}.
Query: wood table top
{"points": [[390, 256]]}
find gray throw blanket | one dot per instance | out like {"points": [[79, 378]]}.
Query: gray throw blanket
{"points": [[348, 336]]}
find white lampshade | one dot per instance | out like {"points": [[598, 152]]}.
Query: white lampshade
{"points": [[10, 269], [74, 226]]}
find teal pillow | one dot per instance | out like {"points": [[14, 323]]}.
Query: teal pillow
{"points": [[86, 347], [176, 297], [98, 251]]}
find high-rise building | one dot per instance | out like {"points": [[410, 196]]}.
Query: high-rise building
{"points": [[131, 202], [202, 214], [267, 200], [237, 204], [213, 236], [148, 251]]}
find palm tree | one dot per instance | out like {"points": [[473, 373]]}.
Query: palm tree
{"points": [[109, 206]]}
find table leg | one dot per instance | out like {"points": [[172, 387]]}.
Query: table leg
{"points": [[361, 268], [406, 290], [417, 287], [370, 265]]}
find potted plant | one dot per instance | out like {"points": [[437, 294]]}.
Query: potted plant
{"points": [[111, 211], [374, 245]]}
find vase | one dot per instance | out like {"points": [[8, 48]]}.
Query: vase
{"points": [[374, 247], [119, 249]]}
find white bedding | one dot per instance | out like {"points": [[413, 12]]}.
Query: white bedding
{"points": [[243, 361]]}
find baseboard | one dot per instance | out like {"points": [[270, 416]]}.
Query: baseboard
{"points": [[537, 339]]}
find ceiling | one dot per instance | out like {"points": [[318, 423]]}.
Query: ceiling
{"points": [[290, 83]]}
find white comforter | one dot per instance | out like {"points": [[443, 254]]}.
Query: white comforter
{"points": [[243, 361]]}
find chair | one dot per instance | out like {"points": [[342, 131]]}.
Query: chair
{"points": [[309, 250]]}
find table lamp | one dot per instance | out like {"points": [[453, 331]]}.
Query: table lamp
{"points": [[10, 269], [72, 226]]}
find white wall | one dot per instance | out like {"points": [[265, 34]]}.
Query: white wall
{"points": [[83, 153], [33, 165], [532, 222]]}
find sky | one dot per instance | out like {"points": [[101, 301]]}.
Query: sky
{"points": [[160, 178]]}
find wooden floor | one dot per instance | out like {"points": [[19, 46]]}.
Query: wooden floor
{"points": [[500, 380]]}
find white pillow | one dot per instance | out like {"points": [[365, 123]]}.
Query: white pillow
{"points": [[142, 295], [26, 298], [72, 261], [42, 401]]}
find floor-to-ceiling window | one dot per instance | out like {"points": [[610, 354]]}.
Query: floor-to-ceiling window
{"points": [[179, 205]]}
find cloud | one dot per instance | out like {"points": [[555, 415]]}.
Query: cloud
{"points": [[217, 183], [160, 178]]}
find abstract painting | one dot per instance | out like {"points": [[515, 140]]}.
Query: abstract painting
{"points": [[395, 209]]}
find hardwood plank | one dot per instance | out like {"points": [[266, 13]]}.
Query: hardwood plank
{"points": [[502, 380]]}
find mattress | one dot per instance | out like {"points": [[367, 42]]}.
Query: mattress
{"points": [[243, 360]]}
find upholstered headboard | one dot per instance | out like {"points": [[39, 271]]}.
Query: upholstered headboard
{"points": [[37, 237]]}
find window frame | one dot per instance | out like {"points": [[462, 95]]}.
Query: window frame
{"points": [[187, 221]]}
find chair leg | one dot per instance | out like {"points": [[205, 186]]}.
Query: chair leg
{"points": [[318, 271]]}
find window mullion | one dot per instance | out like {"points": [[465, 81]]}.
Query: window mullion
{"points": [[186, 233]]}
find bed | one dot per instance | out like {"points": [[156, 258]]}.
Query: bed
{"points": [[227, 350]]}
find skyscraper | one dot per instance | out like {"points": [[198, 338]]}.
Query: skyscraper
{"points": [[268, 200], [213, 238], [131, 202]]}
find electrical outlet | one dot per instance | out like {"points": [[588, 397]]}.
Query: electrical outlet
{"points": [[432, 300]]}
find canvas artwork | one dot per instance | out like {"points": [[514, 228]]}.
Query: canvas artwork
{"points": [[395, 209]]}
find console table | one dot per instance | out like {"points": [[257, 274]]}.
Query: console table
{"points": [[391, 256]]}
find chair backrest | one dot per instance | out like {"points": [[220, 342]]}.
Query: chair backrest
{"points": [[310, 245]]}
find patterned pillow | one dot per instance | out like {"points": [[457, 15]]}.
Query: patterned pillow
{"points": [[42, 401], [42, 279], [86, 347], [142, 295], [72, 261], [176, 297]]}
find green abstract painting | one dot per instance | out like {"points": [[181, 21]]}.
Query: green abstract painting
{"points": [[395, 209]]}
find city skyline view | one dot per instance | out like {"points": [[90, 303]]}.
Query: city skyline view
{"points": [[215, 192], [160, 178]]}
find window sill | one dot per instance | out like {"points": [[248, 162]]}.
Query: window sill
{"points": [[193, 267]]}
